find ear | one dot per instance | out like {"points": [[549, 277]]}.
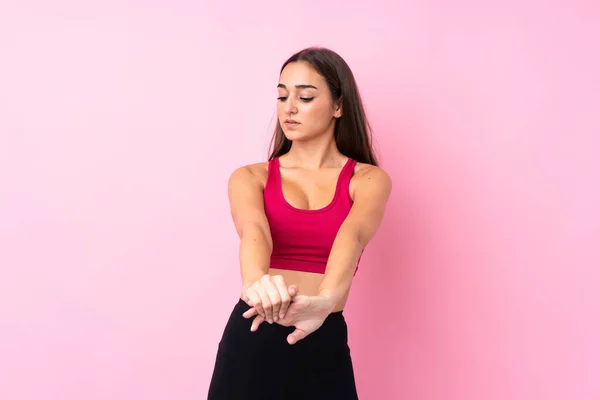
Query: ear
{"points": [[337, 108]]}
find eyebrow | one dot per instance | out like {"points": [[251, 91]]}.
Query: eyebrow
{"points": [[281, 85]]}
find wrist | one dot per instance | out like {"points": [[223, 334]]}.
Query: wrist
{"points": [[330, 300], [249, 281]]}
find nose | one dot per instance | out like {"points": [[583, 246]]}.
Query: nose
{"points": [[290, 106]]}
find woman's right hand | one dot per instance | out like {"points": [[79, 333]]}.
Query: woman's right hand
{"points": [[270, 296]]}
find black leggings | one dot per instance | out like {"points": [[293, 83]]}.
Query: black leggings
{"points": [[262, 365]]}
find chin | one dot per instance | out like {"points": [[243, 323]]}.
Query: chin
{"points": [[295, 135]]}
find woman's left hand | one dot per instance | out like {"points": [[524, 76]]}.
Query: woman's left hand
{"points": [[306, 313]]}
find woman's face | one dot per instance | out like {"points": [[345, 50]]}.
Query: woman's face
{"points": [[304, 106]]}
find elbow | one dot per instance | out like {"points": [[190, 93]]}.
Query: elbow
{"points": [[355, 237], [362, 240], [256, 233]]}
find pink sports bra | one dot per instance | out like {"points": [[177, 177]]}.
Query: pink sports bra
{"points": [[302, 239]]}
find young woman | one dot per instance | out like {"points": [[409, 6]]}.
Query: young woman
{"points": [[304, 219]]}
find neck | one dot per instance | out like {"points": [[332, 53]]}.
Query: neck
{"points": [[315, 153]]}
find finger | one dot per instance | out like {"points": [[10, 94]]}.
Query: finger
{"points": [[276, 295], [269, 297], [275, 304], [267, 313], [295, 336], [293, 290], [256, 323], [250, 313], [284, 295], [255, 301]]}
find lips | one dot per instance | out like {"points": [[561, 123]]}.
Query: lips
{"points": [[291, 122]]}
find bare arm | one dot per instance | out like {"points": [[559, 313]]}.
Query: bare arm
{"points": [[269, 295], [247, 210], [370, 198]]}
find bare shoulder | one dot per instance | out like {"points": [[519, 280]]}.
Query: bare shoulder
{"points": [[372, 174], [255, 173], [370, 179]]}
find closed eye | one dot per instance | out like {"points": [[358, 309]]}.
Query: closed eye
{"points": [[304, 99]]}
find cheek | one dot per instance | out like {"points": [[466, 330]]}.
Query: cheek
{"points": [[319, 114], [315, 110]]}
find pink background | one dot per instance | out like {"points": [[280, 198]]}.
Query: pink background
{"points": [[120, 124]]}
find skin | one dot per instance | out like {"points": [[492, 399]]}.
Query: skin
{"points": [[309, 174]]}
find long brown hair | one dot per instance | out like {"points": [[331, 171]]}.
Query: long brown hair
{"points": [[352, 130]]}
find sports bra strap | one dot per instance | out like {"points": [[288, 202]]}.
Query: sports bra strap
{"points": [[346, 176]]}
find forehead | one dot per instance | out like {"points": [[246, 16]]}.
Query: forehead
{"points": [[301, 73]]}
